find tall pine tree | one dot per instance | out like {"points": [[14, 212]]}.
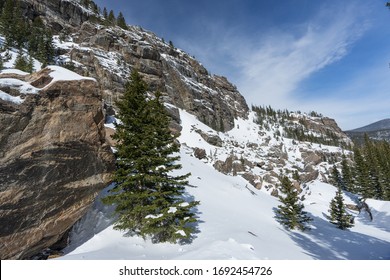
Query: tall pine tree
{"points": [[148, 198], [347, 175], [290, 213], [338, 213]]}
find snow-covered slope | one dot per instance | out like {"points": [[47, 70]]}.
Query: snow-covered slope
{"points": [[236, 220]]}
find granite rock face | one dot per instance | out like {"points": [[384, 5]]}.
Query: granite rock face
{"points": [[53, 160], [109, 53]]}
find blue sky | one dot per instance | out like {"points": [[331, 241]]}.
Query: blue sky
{"points": [[330, 56]]}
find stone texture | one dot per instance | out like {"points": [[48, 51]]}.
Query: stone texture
{"points": [[200, 153], [212, 139], [54, 160], [253, 179], [109, 54]]}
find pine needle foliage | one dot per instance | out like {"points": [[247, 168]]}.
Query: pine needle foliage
{"points": [[149, 199], [338, 213], [290, 213]]}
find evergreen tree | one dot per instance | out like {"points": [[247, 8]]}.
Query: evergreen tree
{"points": [[290, 213], [111, 18], [148, 198], [105, 13], [121, 22], [347, 175], [24, 64], [338, 213], [336, 178], [7, 23], [40, 43], [20, 27], [362, 175]]}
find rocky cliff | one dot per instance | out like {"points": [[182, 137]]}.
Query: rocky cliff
{"points": [[109, 53], [53, 159], [57, 14]]}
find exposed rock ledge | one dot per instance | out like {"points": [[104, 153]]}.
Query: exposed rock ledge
{"points": [[53, 161]]}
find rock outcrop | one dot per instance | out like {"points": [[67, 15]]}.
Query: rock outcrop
{"points": [[53, 160], [108, 54], [58, 14]]}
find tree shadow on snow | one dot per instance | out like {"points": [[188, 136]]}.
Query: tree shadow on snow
{"points": [[101, 216], [195, 226], [98, 218], [381, 220], [326, 242]]}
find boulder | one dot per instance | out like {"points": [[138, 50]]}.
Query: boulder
{"points": [[54, 160], [212, 139], [253, 179], [200, 153]]}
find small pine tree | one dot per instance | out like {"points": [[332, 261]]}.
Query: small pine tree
{"points": [[147, 196], [336, 178], [105, 13], [111, 18], [121, 22], [290, 213], [24, 64], [338, 213]]}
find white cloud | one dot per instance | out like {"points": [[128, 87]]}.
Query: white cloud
{"points": [[269, 67], [273, 68]]}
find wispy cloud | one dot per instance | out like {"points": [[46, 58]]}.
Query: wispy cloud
{"points": [[271, 66], [276, 65]]}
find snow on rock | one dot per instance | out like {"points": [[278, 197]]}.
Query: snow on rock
{"points": [[14, 71], [23, 87], [62, 74], [14, 99]]}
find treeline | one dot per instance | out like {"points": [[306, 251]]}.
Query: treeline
{"points": [[368, 173], [293, 129], [21, 33]]}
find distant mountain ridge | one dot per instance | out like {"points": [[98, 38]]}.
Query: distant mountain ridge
{"points": [[379, 130], [379, 125]]}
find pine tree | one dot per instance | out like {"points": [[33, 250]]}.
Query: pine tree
{"points": [[105, 13], [111, 18], [148, 198], [7, 23], [20, 27], [121, 22], [290, 213], [338, 213], [24, 64], [336, 178], [362, 174], [40, 43], [347, 175]]}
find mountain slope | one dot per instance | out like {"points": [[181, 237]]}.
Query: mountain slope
{"points": [[237, 220], [379, 125]]}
